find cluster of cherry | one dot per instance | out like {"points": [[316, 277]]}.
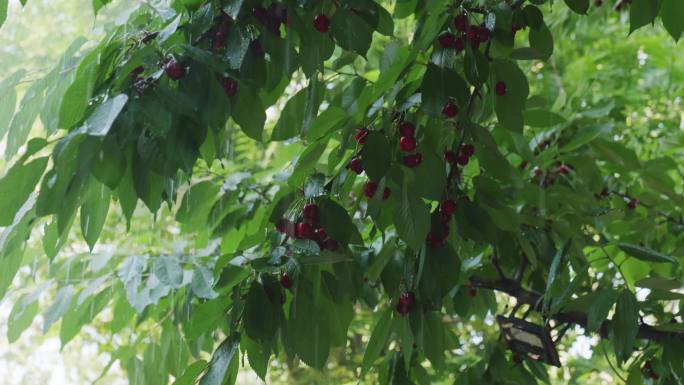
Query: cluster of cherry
{"points": [[308, 227], [475, 35]]}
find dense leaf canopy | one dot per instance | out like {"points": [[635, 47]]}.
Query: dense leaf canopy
{"points": [[360, 187]]}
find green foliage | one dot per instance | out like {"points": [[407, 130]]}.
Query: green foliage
{"points": [[240, 124]]}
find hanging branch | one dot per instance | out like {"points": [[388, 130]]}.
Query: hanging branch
{"points": [[532, 298]]}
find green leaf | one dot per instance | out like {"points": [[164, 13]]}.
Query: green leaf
{"points": [[237, 45], [326, 122], [23, 120], [3, 11], [476, 67], [377, 341], [541, 41], [128, 199], [110, 166], [670, 13], [434, 339], [76, 317], [259, 320], [10, 266], [659, 283], [169, 271], [376, 155], [578, 6], [557, 263], [380, 261], [335, 220], [635, 376], [412, 218], [94, 212], [59, 306], [625, 325], [101, 120], [642, 12], [190, 374], [542, 118], [220, 362], [196, 204], [233, 8], [207, 316], [597, 312], [202, 283], [249, 113], [646, 254], [299, 112], [313, 187], [16, 186], [75, 101], [257, 356], [350, 31], [12, 240], [8, 96], [509, 106], [441, 85], [98, 4], [307, 331], [21, 316], [533, 16]]}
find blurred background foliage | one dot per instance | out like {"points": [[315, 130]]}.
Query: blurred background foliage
{"points": [[638, 80]]}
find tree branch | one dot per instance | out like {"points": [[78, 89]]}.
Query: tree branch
{"points": [[532, 298]]}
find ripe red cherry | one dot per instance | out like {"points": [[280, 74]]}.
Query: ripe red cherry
{"points": [[310, 212], [331, 244], [361, 134], [369, 189], [563, 169], [406, 302], [449, 110], [219, 40], [517, 358], [483, 34], [282, 225], [500, 88], [473, 36], [448, 207], [446, 40], [322, 23], [468, 150], [450, 156], [472, 292], [230, 86], [303, 231], [355, 165], [461, 22], [137, 71], [407, 129], [408, 298], [386, 193], [174, 70], [256, 48], [413, 160], [407, 143], [463, 159], [285, 281], [321, 233], [633, 203], [459, 45], [435, 241], [261, 14]]}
